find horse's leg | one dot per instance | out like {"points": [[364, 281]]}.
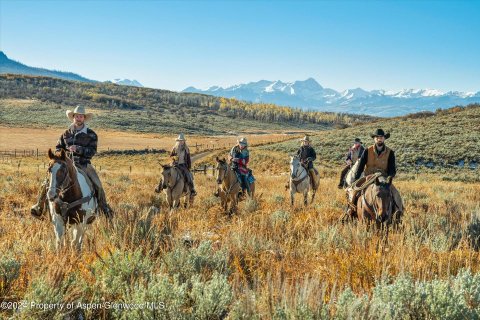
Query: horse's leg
{"points": [[59, 228], [305, 197], [313, 195], [78, 231], [169, 199], [233, 203], [223, 201], [292, 196]]}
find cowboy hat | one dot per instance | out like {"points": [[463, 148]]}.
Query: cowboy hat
{"points": [[243, 142], [380, 133], [306, 138], [357, 140], [181, 137], [79, 110]]}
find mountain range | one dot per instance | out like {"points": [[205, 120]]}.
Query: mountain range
{"points": [[8, 65], [126, 82], [310, 95], [307, 94]]}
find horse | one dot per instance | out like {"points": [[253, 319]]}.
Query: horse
{"points": [[300, 181], [350, 176], [70, 198], [230, 186], [376, 203], [174, 185]]}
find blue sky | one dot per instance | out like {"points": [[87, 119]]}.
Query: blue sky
{"points": [[165, 44]]}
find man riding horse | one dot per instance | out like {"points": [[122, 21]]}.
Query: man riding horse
{"points": [[354, 153], [378, 158], [307, 155], [182, 159], [239, 158], [81, 142]]}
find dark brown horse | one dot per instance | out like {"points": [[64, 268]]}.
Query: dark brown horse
{"points": [[70, 197], [375, 203]]}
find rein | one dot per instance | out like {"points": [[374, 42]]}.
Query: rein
{"points": [[225, 168], [176, 180], [297, 181], [66, 206], [373, 210]]}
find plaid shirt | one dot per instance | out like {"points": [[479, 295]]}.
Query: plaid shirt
{"points": [[85, 140]]}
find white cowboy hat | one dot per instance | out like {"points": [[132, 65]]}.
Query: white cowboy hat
{"points": [[181, 137], [79, 110], [243, 141]]}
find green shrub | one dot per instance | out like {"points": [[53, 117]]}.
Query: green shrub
{"points": [[9, 272]]}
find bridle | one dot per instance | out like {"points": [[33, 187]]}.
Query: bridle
{"points": [[224, 167], [177, 179], [373, 209], [294, 176], [67, 184]]}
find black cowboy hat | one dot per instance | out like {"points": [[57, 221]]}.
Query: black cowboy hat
{"points": [[357, 140], [380, 133]]}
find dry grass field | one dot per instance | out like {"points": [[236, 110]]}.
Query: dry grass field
{"points": [[32, 138], [269, 261]]}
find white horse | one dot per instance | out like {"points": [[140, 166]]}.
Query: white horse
{"points": [[350, 177], [300, 181], [70, 199]]}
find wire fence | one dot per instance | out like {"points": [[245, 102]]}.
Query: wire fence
{"points": [[196, 148]]}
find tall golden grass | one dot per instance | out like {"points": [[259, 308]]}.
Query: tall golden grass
{"points": [[277, 255]]}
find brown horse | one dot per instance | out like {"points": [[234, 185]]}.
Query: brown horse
{"points": [[173, 182], [229, 186], [70, 197], [375, 203]]}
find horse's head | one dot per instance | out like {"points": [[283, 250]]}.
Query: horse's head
{"points": [[382, 198], [294, 165], [168, 177], [59, 169], [221, 170]]}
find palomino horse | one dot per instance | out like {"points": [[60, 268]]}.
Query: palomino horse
{"points": [[300, 181], [174, 185], [229, 185], [375, 203], [70, 197]]}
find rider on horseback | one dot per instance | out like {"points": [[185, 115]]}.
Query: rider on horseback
{"points": [[182, 159], [353, 155], [378, 158], [81, 142], [307, 155], [239, 157]]}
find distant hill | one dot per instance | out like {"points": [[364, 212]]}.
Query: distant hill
{"points": [[37, 101], [434, 141], [10, 66], [309, 94]]}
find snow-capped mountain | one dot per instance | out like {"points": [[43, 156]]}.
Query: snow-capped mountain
{"points": [[309, 94], [126, 82]]}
